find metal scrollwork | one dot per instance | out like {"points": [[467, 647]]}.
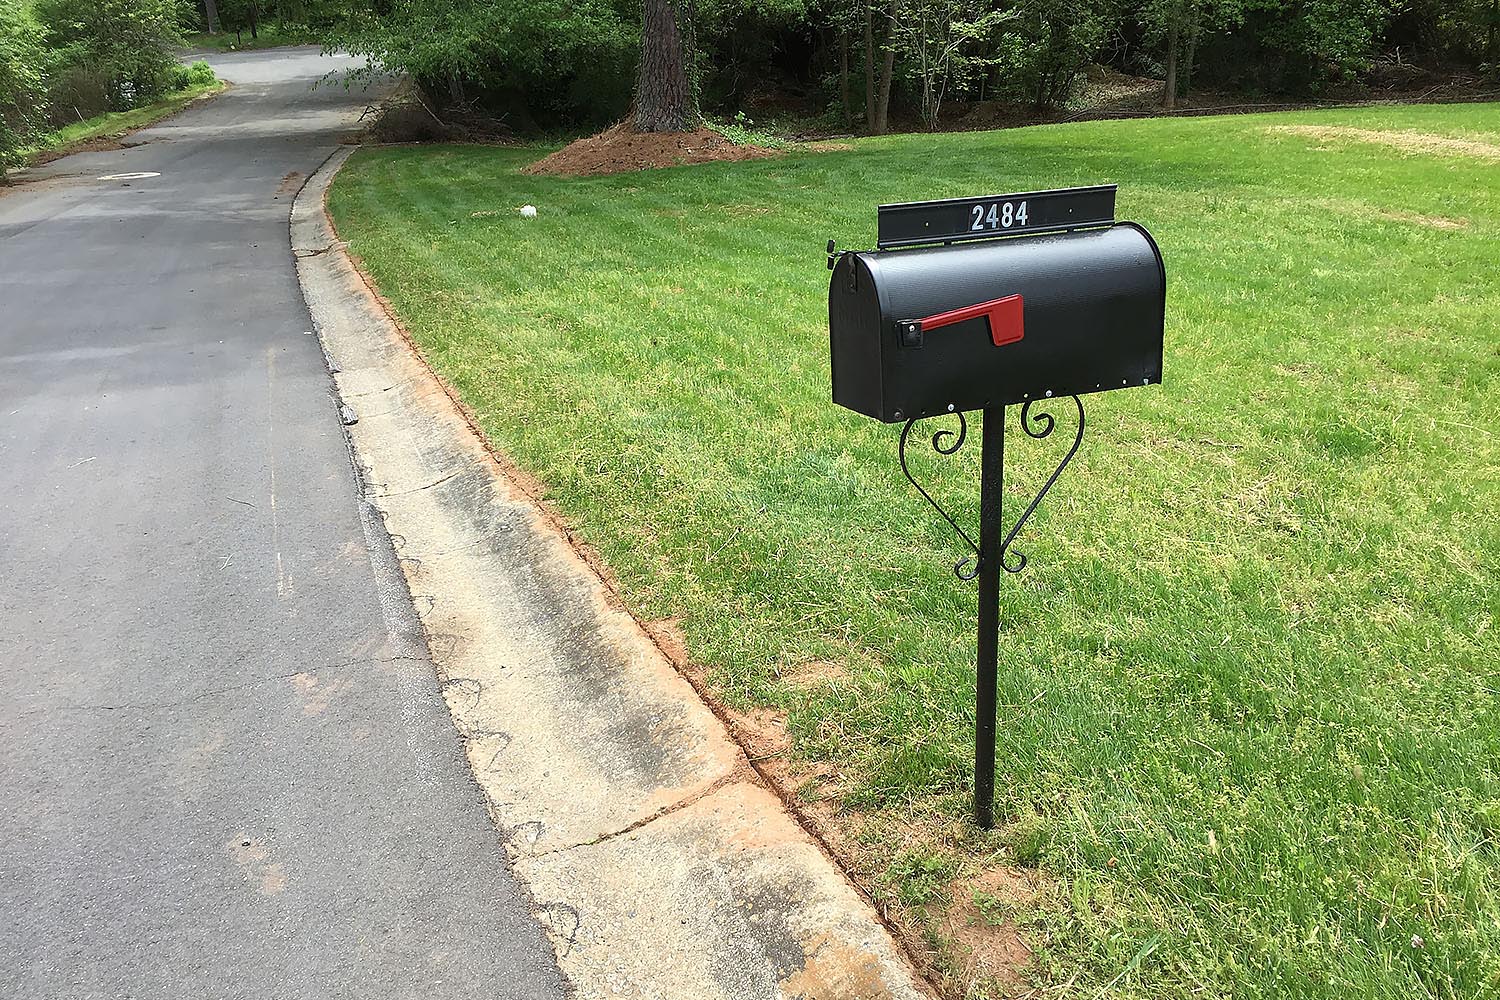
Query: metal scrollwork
{"points": [[1039, 426], [944, 442]]}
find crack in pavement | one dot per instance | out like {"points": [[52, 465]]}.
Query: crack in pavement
{"points": [[418, 489], [739, 774]]}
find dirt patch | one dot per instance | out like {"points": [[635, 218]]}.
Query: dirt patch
{"points": [[762, 732], [1422, 143], [253, 858], [290, 184], [21, 180], [99, 144], [1365, 211], [835, 970], [1430, 221], [814, 674], [621, 148], [983, 940], [316, 695]]}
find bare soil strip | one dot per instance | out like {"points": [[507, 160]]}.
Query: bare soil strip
{"points": [[1421, 143]]}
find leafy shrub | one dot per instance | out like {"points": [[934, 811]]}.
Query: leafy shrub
{"points": [[76, 93], [1049, 45], [128, 43], [532, 61], [197, 74], [1299, 46], [21, 79]]}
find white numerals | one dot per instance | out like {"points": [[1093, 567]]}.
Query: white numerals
{"points": [[1000, 215]]}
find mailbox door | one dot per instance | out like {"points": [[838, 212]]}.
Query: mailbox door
{"points": [[1092, 305]]}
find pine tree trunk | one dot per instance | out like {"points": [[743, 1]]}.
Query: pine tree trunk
{"points": [[883, 102], [1185, 71], [211, 16], [664, 98], [844, 72], [887, 72], [869, 70], [254, 17], [1491, 49], [1169, 92]]}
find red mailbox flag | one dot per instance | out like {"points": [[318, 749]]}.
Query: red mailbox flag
{"points": [[1006, 318]]}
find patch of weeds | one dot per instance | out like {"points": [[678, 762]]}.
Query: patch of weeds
{"points": [[742, 131]]}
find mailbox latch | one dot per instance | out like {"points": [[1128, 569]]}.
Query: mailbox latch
{"points": [[1006, 318]]}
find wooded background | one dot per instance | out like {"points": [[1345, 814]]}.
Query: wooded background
{"points": [[861, 64], [829, 65]]}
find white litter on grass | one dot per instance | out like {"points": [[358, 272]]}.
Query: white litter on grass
{"points": [[528, 211]]}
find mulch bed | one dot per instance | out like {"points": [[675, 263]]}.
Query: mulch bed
{"points": [[621, 148]]}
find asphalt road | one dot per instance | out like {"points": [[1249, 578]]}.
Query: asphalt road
{"points": [[226, 769]]}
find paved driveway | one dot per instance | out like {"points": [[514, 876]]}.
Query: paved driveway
{"points": [[225, 766]]}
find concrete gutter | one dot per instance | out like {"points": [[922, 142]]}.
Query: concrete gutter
{"points": [[660, 864]]}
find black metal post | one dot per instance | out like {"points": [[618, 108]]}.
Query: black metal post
{"points": [[991, 475]]}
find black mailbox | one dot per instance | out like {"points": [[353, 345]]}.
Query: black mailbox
{"points": [[976, 304], [1060, 301]]}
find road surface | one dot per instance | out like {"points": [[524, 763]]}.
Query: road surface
{"points": [[225, 764]]}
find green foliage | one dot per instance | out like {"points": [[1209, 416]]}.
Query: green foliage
{"points": [[946, 43], [1301, 46], [65, 63], [22, 84], [1465, 31], [198, 74], [742, 131], [540, 60], [1053, 41], [737, 40], [126, 45]]}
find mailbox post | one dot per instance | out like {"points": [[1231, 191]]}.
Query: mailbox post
{"points": [[979, 304]]}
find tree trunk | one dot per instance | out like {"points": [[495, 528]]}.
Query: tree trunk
{"points": [[844, 73], [1185, 71], [664, 98], [254, 17], [1491, 49], [211, 15], [869, 70], [887, 72], [1169, 92]]}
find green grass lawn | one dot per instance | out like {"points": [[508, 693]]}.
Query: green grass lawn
{"points": [[270, 36], [61, 141], [1249, 735]]}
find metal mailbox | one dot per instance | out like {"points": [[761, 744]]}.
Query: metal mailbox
{"points": [[938, 329], [976, 304]]}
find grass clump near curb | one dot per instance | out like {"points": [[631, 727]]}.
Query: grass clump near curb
{"points": [[1249, 730]]}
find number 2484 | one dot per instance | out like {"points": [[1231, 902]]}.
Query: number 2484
{"points": [[1001, 215]]}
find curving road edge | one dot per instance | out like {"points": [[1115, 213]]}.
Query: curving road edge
{"points": [[659, 864]]}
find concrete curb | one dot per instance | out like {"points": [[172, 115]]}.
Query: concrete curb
{"points": [[661, 865]]}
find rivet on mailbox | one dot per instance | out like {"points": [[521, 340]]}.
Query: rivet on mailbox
{"points": [[976, 303]]}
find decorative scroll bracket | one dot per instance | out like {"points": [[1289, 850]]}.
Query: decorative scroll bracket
{"points": [[992, 553], [1038, 426]]}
